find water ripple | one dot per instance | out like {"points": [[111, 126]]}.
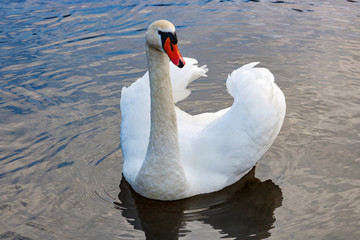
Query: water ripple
{"points": [[244, 210], [62, 67]]}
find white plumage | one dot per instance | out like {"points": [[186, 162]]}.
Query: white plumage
{"points": [[215, 149]]}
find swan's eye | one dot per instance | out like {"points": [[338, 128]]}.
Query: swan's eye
{"points": [[166, 35]]}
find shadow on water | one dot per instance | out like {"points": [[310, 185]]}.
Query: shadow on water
{"points": [[243, 210]]}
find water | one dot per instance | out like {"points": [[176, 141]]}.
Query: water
{"points": [[62, 67]]}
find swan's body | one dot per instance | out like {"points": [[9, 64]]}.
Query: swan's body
{"points": [[169, 154]]}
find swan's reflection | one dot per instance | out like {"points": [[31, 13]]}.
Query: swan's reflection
{"points": [[244, 210]]}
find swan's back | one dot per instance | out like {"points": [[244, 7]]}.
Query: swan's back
{"points": [[229, 146]]}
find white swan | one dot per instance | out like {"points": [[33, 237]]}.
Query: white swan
{"points": [[169, 154]]}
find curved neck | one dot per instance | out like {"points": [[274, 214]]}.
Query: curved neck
{"points": [[163, 131], [161, 176]]}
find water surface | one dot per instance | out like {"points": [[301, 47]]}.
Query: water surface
{"points": [[62, 67]]}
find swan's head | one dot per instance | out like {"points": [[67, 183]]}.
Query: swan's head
{"points": [[161, 36]]}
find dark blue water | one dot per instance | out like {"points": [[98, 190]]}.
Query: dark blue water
{"points": [[62, 67]]}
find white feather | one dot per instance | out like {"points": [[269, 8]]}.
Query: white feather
{"points": [[216, 149]]}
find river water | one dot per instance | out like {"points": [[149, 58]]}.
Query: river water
{"points": [[62, 67]]}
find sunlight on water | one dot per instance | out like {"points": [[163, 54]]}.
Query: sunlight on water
{"points": [[62, 67]]}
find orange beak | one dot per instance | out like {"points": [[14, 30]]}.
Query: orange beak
{"points": [[173, 53]]}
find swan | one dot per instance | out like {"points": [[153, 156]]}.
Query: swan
{"points": [[169, 154]]}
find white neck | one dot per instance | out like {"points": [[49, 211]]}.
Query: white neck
{"points": [[163, 133], [161, 172]]}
